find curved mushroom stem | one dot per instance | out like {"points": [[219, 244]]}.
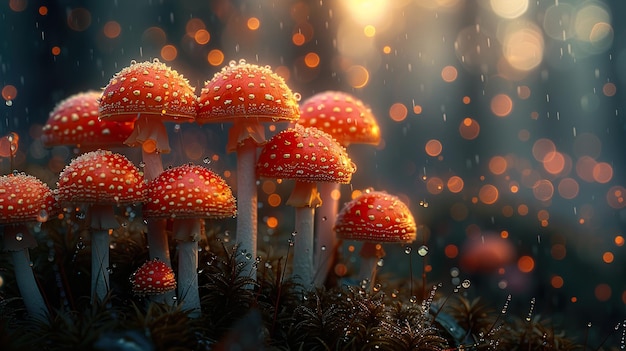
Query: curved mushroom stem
{"points": [[102, 221], [26, 283], [305, 199], [247, 204], [370, 254], [187, 233], [326, 240]]}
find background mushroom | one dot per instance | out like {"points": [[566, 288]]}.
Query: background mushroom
{"points": [[187, 194], [308, 156], [246, 95], [74, 121], [101, 180], [349, 121], [24, 199], [375, 217], [149, 94]]}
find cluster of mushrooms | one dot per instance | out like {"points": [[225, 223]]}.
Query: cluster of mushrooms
{"points": [[132, 110]]}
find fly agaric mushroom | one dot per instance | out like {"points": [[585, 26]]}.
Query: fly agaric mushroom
{"points": [[349, 121], [375, 217], [24, 199], [150, 93], [246, 95], [308, 156], [153, 278], [187, 194], [74, 121], [101, 180]]}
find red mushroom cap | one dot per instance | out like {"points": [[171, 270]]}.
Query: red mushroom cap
{"points": [[341, 115], [24, 198], [74, 121], [101, 177], [153, 278], [376, 216], [243, 90], [189, 191], [148, 88], [305, 154]]}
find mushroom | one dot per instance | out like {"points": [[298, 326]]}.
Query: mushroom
{"points": [[246, 95], [349, 121], [24, 199], [74, 121], [150, 93], [375, 217], [154, 277], [308, 156], [187, 194], [101, 180]]}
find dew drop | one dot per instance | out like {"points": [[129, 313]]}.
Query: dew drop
{"points": [[423, 250], [380, 263], [377, 287], [323, 248], [466, 283], [9, 103], [206, 160], [324, 219], [408, 249], [19, 236]]}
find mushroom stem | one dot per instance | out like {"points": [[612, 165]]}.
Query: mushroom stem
{"points": [[187, 233], [370, 254], [102, 221], [26, 283], [324, 233], [153, 164], [247, 204], [305, 199], [151, 135]]}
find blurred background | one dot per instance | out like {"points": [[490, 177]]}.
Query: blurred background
{"points": [[502, 121]]}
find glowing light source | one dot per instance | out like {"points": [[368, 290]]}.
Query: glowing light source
{"points": [[398, 112], [253, 23], [357, 76], [215, 57], [523, 46], [510, 8], [112, 29]]}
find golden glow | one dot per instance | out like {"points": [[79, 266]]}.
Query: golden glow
{"points": [[311, 60], [202, 36], [501, 105], [369, 31], [367, 12], [215, 57], [9, 92], [398, 112], [488, 194], [526, 264], [455, 184], [253, 23], [357, 76], [433, 147], [469, 128], [523, 46], [509, 9], [449, 74], [169, 52]]}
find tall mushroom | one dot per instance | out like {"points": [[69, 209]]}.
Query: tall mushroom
{"points": [[101, 180], [74, 121], [187, 194], [375, 217], [24, 199], [308, 156], [246, 95], [349, 121], [149, 94]]}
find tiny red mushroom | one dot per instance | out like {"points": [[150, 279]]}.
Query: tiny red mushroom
{"points": [[308, 156], [187, 194], [74, 121], [349, 121], [153, 278], [24, 199], [101, 180], [149, 94], [247, 95], [375, 217]]}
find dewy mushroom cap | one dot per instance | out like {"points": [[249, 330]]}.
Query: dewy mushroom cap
{"points": [[24, 198], [246, 91], [74, 121], [189, 191], [148, 88], [376, 216], [101, 177], [341, 115], [305, 154]]}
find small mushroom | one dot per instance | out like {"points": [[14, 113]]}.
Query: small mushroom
{"points": [[153, 278], [375, 217]]}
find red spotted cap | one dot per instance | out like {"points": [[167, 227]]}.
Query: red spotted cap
{"points": [[341, 115], [101, 177], [74, 121], [376, 216], [242, 90], [189, 191], [24, 198], [305, 154], [148, 88], [153, 278]]}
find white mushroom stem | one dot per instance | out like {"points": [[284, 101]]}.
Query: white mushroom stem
{"points": [[326, 241], [102, 222], [370, 254], [247, 205], [26, 283], [305, 199], [187, 233]]}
